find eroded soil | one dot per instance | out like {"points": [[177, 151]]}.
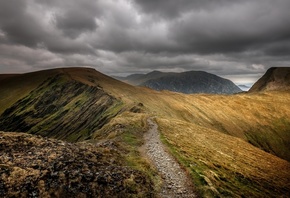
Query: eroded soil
{"points": [[175, 181]]}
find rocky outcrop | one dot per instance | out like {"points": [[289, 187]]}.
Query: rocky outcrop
{"points": [[32, 166]]}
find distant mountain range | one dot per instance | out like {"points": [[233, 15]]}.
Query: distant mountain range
{"points": [[275, 79], [185, 82]]}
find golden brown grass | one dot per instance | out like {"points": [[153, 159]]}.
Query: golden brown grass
{"points": [[257, 118], [223, 165], [209, 134]]}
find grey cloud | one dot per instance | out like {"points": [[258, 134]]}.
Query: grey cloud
{"points": [[280, 48], [75, 17], [125, 36], [172, 8], [21, 27], [233, 29], [17, 25], [75, 22]]}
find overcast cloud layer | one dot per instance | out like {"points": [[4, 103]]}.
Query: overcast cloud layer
{"points": [[232, 38]]}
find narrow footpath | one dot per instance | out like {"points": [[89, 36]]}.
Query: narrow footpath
{"points": [[175, 181]]}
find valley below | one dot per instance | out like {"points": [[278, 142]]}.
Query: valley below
{"points": [[77, 132]]}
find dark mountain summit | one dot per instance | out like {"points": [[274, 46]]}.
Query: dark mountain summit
{"points": [[139, 79], [185, 82], [276, 78], [193, 82]]}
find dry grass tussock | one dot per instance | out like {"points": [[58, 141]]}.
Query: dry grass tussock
{"points": [[261, 118], [223, 165]]}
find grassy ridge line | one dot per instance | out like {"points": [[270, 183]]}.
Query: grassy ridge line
{"points": [[222, 165], [243, 115]]}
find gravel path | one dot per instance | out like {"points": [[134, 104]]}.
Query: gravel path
{"points": [[175, 182]]}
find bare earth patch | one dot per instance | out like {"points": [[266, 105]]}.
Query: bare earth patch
{"points": [[175, 181]]}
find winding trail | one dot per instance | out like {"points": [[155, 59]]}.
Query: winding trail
{"points": [[175, 181]]}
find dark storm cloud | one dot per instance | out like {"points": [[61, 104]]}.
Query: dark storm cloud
{"points": [[172, 8], [124, 36], [280, 48], [75, 22], [76, 17], [211, 26], [235, 28], [21, 27]]}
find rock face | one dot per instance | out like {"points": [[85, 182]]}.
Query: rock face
{"points": [[32, 166], [185, 82], [276, 78], [193, 82]]}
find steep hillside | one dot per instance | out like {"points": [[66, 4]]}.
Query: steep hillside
{"points": [[276, 78], [61, 104], [185, 82]]}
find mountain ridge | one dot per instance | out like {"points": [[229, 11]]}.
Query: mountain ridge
{"points": [[185, 82], [275, 78]]}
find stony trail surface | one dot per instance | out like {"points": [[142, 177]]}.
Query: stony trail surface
{"points": [[175, 181]]}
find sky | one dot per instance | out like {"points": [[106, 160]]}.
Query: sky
{"points": [[236, 39]]}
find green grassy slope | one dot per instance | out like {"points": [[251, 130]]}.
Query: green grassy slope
{"points": [[60, 104]]}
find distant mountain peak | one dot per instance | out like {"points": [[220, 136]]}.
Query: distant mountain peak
{"points": [[154, 72], [276, 78], [184, 82]]}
